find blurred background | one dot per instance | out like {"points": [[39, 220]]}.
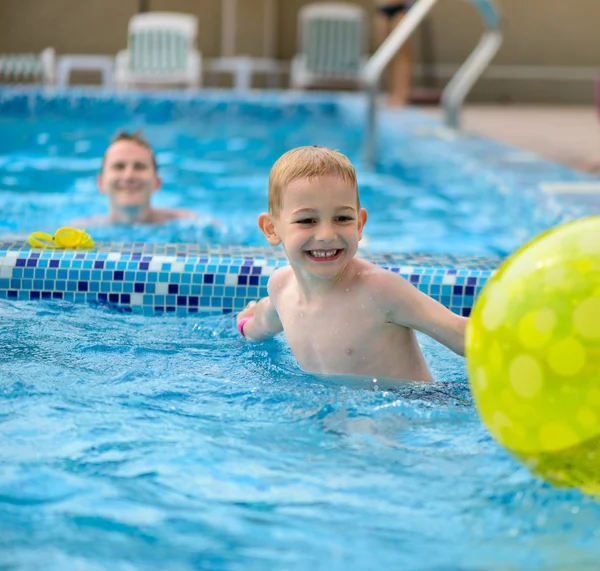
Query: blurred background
{"points": [[544, 75]]}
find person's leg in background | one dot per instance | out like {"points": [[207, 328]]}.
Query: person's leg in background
{"points": [[388, 14]]}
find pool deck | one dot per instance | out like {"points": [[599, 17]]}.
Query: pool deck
{"points": [[568, 135]]}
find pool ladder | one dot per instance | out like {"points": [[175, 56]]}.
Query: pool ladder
{"points": [[459, 86]]}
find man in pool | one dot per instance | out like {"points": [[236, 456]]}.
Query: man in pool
{"points": [[129, 177], [340, 314]]}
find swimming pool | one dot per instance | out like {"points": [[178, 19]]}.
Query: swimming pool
{"points": [[130, 441]]}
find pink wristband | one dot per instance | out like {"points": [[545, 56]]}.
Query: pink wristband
{"points": [[242, 323]]}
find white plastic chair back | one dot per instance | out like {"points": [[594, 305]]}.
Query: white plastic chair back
{"points": [[333, 39], [160, 43]]}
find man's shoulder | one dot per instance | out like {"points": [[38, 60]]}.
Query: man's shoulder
{"points": [[161, 215], [90, 222]]}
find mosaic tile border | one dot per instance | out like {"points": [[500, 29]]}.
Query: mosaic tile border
{"points": [[186, 279]]}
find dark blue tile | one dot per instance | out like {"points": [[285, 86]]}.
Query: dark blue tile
{"points": [[99, 264], [20, 263], [31, 263], [54, 263], [82, 286], [126, 298], [254, 280], [209, 278], [118, 275], [138, 288], [181, 300], [242, 280], [173, 289], [113, 297], [457, 290]]}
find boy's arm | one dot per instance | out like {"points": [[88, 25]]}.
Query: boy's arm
{"points": [[259, 321], [412, 308]]}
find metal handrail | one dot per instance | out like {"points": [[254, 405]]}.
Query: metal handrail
{"points": [[459, 86]]}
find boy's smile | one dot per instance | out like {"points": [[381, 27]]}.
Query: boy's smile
{"points": [[319, 225]]}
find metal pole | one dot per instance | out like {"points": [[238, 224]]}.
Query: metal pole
{"points": [[269, 36], [379, 61], [228, 27]]}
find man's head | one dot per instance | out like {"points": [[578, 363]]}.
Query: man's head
{"points": [[308, 163], [129, 177]]}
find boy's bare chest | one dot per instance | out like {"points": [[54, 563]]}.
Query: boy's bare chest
{"points": [[331, 332]]}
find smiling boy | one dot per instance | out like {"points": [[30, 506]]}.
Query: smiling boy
{"points": [[340, 314]]}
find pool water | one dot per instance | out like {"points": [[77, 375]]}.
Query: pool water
{"points": [[132, 442], [166, 443], [429, 194]]}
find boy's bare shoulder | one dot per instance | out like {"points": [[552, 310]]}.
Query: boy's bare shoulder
{"points": [[279, 279], [388, 286], [376, 275]]}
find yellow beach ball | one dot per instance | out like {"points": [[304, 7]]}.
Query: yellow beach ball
{"points": [[533, 354]]}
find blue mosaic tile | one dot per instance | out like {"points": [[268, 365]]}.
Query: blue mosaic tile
{"points": [[226, 279]]}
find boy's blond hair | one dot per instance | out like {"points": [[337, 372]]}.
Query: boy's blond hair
{"points": [[307, 162], [134, 137]]}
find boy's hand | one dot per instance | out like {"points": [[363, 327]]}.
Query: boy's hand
{"points": [[248, 311], [258, 321]]}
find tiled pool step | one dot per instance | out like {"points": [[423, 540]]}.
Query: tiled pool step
{"points": [[189, 278]]}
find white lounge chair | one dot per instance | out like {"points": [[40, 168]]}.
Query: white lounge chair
{"points": [[24, 67], [161, 51], [333, 46]]}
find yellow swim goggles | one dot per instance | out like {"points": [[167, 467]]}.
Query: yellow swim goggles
{"points": [[72, 238]]}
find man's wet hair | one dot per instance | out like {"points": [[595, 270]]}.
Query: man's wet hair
{"points": [[134, 137]]}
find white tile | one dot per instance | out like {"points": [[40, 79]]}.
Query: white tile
{"points": [[9, 262]]}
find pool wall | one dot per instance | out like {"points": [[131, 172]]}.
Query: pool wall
{"points": [[185, 278]]}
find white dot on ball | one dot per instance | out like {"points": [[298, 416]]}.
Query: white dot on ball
{"points": [[495, 309], [525, 375]]}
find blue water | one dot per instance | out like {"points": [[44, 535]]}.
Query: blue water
{"points": [[428, 195], [165, 443], [129, 442]]}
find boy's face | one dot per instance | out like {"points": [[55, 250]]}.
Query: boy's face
{"points": [[319, 225], [128, 177]]}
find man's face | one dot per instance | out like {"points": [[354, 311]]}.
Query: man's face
{"points": [[128, 178]]}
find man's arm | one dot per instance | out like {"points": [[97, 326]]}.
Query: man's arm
{"points": [[412, 308]]}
